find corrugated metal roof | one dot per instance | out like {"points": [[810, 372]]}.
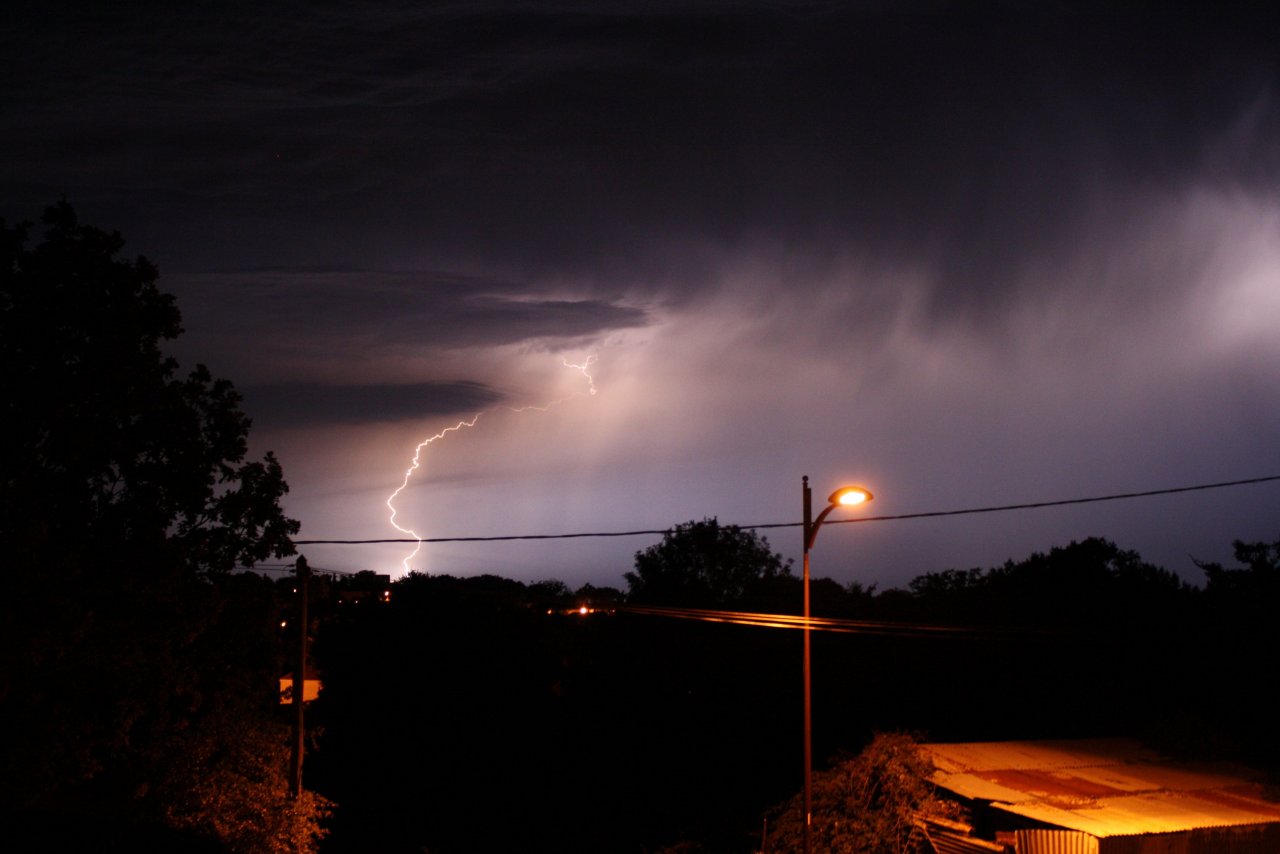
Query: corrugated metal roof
{"points": [[1104, 787], [947, 842], [1055, 842]]}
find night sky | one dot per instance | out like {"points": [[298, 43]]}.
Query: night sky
{"points": [[964, 254]]}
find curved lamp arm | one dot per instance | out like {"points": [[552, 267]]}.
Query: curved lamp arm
{"points": [[845, 496]]}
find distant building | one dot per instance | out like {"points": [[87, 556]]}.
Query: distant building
{"points": [[1103, 796]]}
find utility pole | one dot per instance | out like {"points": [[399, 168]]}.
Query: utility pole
{"points": [[809, 531], [299, 681], [845, 496]]}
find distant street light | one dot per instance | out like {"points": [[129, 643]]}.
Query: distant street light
{"points": [[845, 496]]}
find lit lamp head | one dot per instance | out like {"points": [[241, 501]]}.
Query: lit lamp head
{"points": [[848, 496], [845, 496]]}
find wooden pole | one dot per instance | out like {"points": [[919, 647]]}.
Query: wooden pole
{"points": [[299, 682]]}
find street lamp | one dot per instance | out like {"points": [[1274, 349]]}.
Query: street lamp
{"points": [[845, 496]]}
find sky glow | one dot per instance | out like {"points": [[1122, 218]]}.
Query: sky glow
{"points": [[964, 258], [422, 448]]}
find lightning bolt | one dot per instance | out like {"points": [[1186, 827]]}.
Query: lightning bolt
{"points": [[586, 372], [416, 463]]}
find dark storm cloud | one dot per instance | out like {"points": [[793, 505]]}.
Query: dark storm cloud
{"points": [[317, 405], [433, 309], [274, 323], [601, 141], [633, 150]]}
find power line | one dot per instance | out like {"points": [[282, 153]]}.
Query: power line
{"points": [[1060, 503], [929, 515], [290, 567]]}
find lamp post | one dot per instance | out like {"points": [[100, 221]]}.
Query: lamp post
{"points": [[845, 496]]}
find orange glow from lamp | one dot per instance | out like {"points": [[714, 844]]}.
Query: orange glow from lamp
{"points": [[850, 496]]}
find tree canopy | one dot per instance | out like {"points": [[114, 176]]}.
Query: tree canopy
{"points": [[1256, 580], [703, 564], [109, 449], [138, 674], [1091, 581]]}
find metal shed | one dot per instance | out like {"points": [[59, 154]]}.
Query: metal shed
{"points": [[1107, 796]]}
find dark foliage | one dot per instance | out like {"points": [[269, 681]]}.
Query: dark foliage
{"points": [[105, 443], [1092, 582], [1256, 580], [137, 676], [704, 564], [872, 803]]}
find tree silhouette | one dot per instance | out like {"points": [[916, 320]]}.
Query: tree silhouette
{"points": [[1256, 580], [138, 675], [1090, 582], [703, 564], [105, 441]]}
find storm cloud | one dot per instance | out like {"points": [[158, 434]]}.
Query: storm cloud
{"points": [[339, 323]]}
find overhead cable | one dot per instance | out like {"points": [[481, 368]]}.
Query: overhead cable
{"points": [[928, 515]]}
